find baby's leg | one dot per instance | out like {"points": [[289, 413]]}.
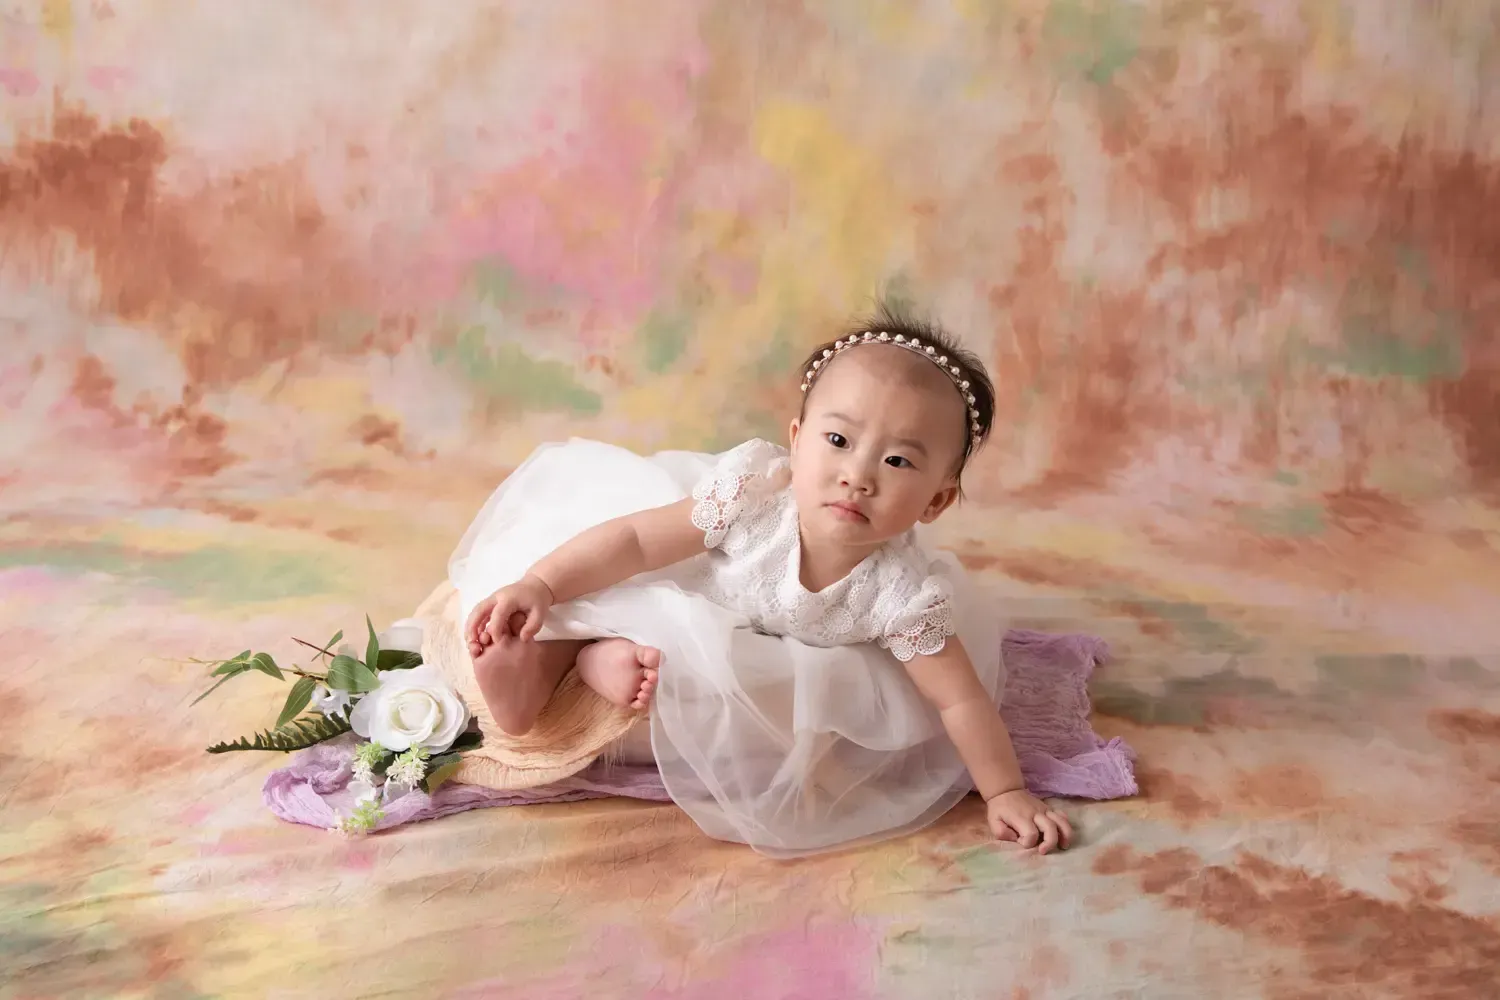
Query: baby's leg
{"points": [[621, 671], [517, 677]]}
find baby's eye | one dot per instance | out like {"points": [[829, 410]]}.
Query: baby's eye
{"points": [[836, 439], [897, 462]]}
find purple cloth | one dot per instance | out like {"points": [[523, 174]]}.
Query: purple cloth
{"points": [[1045, 706]]}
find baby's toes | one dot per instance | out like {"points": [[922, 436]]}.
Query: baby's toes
{"points": [[648, 657]]}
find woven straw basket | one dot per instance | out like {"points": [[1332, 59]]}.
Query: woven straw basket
{"points": [[575, 728]]}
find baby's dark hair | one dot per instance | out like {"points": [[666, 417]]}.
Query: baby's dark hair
{"points": [[895, 320]]}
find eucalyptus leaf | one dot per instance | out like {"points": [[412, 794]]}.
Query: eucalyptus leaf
{"points": [[327, 645], [439, 775], [347, 674], [372, 648], [266, 664], [230, 668], [296, 700], [467, 740], [216, 686], [233, 665], [397, 659], [365, 679]]}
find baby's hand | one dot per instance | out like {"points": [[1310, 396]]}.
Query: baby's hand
{"points": [[1020, 816], [519, 610]]}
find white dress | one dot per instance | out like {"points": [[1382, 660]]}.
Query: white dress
{"points": [[783, 718]]}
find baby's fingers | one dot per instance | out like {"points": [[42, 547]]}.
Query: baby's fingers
{"points": [[1064, 828], [477, 619], [1048, 827], [499, 619], [1027, 830], [533, 624]]}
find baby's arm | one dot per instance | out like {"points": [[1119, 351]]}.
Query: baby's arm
{"points": [[600, 557], [947, 679], [617, 550], [590, 561]]}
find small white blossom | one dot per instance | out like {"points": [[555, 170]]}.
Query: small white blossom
{"points": [[364, 791], [367, 757], [409, 768], [366, 814], [332, 703]]}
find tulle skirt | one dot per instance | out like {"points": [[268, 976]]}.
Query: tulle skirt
{"points": [[765, 740]]}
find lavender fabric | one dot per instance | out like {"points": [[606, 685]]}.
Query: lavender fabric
{"points": [[1045, 706]]}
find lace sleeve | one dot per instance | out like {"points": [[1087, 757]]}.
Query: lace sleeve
{"points": [[739, 482], [923, 624], [924, 634]]}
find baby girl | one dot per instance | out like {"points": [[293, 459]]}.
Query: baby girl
{"points": [[813, 674]]}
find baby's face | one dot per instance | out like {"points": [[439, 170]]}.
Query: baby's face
{"points": [[877, 447]]}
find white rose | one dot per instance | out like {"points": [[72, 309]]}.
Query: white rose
{"points": [[411, 708]]}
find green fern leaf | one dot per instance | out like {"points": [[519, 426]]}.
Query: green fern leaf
{"points": [[299, 734]]}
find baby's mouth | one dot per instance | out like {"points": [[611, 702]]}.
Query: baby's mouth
{"points": [[848, 511]]}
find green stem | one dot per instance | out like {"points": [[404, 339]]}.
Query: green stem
{"points": [[313, 645]]}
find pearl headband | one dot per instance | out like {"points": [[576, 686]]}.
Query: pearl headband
{"points": [[954, 373]]}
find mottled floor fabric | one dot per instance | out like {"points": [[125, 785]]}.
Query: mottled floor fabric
{"points": [[1318, 811]]}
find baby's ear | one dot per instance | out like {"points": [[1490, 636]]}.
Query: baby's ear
{"points": [[941, 501]]}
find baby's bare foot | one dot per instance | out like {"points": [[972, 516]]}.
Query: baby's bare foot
{"points": [[517, 678], [622, 672]]}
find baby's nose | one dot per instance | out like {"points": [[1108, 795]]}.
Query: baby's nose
{"points": [[857, 478]]}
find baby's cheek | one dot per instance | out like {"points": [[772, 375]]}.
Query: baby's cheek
{"points": [[913, 504]]}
